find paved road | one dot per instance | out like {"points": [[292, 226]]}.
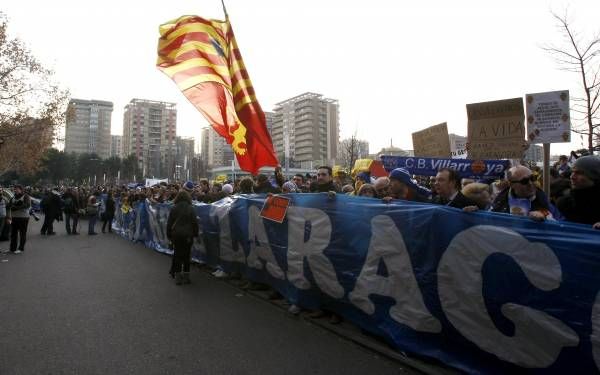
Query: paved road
{"points": [[103, 305]]}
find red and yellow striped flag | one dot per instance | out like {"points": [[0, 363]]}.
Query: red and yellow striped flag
{"points": [[203, 59]]}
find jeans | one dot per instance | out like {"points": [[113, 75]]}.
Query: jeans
{"points": [[91, 224], [18, 229], [73, 228]]}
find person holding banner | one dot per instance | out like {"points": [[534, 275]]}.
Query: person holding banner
{"points": [[447, 185], [582, 204], [522, 197], [403, 187]]}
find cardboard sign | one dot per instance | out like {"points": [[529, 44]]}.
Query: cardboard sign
{"points": [[458, 146], [496, 130], [275, 208], [432, 142], [548, 119]]}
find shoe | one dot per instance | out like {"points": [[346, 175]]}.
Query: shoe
{"points": [[51, 234], [316, 314], [335, 319], [186, 278], [294, 310], [18, 252], [74, 233], [220, 274], [178, 278], [92, 234]]}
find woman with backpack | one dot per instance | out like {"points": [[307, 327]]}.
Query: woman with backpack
{"points": [[182, 227]]}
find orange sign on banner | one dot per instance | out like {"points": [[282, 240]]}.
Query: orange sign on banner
{"points": [[275, 208]]}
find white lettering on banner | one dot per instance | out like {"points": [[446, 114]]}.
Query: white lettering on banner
{"points": [[387, 244], [538, 337], [409, 163], [226, 244], [260, 248], [311, 250], [595, 338], [420, 163]]}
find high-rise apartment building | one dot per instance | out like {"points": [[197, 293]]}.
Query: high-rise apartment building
{"points": [[116, 145], [149, 132], [219, 152], [307, 128], [204, 138], [184, 157], [87, 130]]}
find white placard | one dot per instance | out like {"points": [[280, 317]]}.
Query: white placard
{"points": [[548, 118]]}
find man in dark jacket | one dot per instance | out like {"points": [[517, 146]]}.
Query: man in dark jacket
{"points": [[50, 206], [582, 204], [447, 185], [182, 227], [109, 213], [324, 182], [71, 209]]}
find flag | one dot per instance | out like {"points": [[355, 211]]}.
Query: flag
{"points": [[203, 59]]}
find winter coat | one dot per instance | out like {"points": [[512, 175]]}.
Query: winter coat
{"points": [[182, 222]]}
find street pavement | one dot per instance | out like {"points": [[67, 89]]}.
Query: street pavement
{"points": [[104, 305]]}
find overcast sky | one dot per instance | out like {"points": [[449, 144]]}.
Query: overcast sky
{"points": [[395, 67]]}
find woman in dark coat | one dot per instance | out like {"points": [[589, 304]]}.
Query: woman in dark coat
{"points": [[109, 213], [182, 227]]}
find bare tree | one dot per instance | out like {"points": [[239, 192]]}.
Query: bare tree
{"points": [[349, 152], [582, 57]]}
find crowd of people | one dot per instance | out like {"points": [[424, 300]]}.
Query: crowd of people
{"points": [[574, 197]]}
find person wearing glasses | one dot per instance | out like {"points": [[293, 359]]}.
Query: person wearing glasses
{"points": [[522, 197]]}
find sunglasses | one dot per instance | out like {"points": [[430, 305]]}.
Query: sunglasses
{"points": [[525, 181]]}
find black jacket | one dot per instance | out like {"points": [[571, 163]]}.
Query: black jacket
{"points": [[110, 208], [459, 201], [182, 222], [581, 205]]}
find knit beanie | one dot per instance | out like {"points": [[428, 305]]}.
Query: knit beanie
{"points": [[590, 166], [189, 186]]}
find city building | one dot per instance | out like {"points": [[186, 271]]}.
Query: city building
{"points": [[183, 157], [306, 130], [116, 146], [87, 129], [534, 154], [149, 132], [392, 151]]}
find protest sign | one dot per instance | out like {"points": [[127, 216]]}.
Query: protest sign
{"points": [[275, 208], [548, 119], [432, 142], [496, 130]]}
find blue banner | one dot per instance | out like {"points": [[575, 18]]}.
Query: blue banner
{"points": [[466, 168], [483, 292]]}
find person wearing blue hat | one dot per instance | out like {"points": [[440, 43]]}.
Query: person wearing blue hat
{"points": [[189, 186], [402, 186]]}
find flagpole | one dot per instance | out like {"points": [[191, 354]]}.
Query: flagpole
{"points": [[224, 10]]}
